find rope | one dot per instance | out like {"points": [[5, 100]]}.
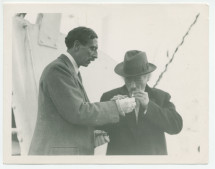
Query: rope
{"points": [[177, 48]]}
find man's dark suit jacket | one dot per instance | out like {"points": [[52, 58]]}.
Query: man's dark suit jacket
{"points": [[145, 136], [66, 119]]}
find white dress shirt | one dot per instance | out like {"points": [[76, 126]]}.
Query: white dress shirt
{"points": [[73, 62]]}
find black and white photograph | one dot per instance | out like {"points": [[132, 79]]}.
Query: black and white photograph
{"points": [[106, 83]]}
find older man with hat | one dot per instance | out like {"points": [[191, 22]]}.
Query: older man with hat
{"points": [[142, 131]]}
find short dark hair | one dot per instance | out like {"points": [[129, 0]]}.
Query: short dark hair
{"points": [[82, 34]]}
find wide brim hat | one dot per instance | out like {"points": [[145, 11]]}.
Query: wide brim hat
{"points": [[135, 63]]}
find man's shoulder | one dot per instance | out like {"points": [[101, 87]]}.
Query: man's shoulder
{"points": [[60, 62], [56, 66], [56, 62], [158, 92], [115, 90], [51, 66]]}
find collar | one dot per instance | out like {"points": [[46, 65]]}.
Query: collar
{"points": [[73, 62]]}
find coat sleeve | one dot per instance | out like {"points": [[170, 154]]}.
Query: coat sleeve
{"points": [[68, 99], [108, 127], [165, 116]]}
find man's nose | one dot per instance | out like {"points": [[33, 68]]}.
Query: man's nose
{"points": [[133, 85]]}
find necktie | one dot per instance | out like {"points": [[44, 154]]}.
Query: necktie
{"points": [[79, 76], [137, 111]]}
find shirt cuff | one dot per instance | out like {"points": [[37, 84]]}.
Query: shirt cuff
{"points": [[121, 112]]}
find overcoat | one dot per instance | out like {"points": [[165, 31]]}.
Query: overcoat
{"points": [[144, 136], [66, 119]]}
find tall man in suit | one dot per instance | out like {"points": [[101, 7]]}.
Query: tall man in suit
{"points": [[142, 131], [66, 118]]}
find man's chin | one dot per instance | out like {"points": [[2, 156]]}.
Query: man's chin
{"points": [[86, 65]]}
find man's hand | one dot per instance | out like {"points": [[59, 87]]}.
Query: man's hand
{"points": [[141, 97], [126, 105], [119, 97]]}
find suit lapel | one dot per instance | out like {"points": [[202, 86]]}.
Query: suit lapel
{"points": [[82, 87], [150, 93], [72, 70]]}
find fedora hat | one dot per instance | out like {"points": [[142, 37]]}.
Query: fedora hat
{"points": [[135, 63]]}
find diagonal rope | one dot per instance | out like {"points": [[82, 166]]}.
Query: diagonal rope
{"points": [[173, 56]]}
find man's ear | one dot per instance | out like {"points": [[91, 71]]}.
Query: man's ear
{"points": [[76, 45]]}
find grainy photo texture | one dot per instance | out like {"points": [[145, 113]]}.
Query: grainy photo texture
{"points": [[106, 83]]}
